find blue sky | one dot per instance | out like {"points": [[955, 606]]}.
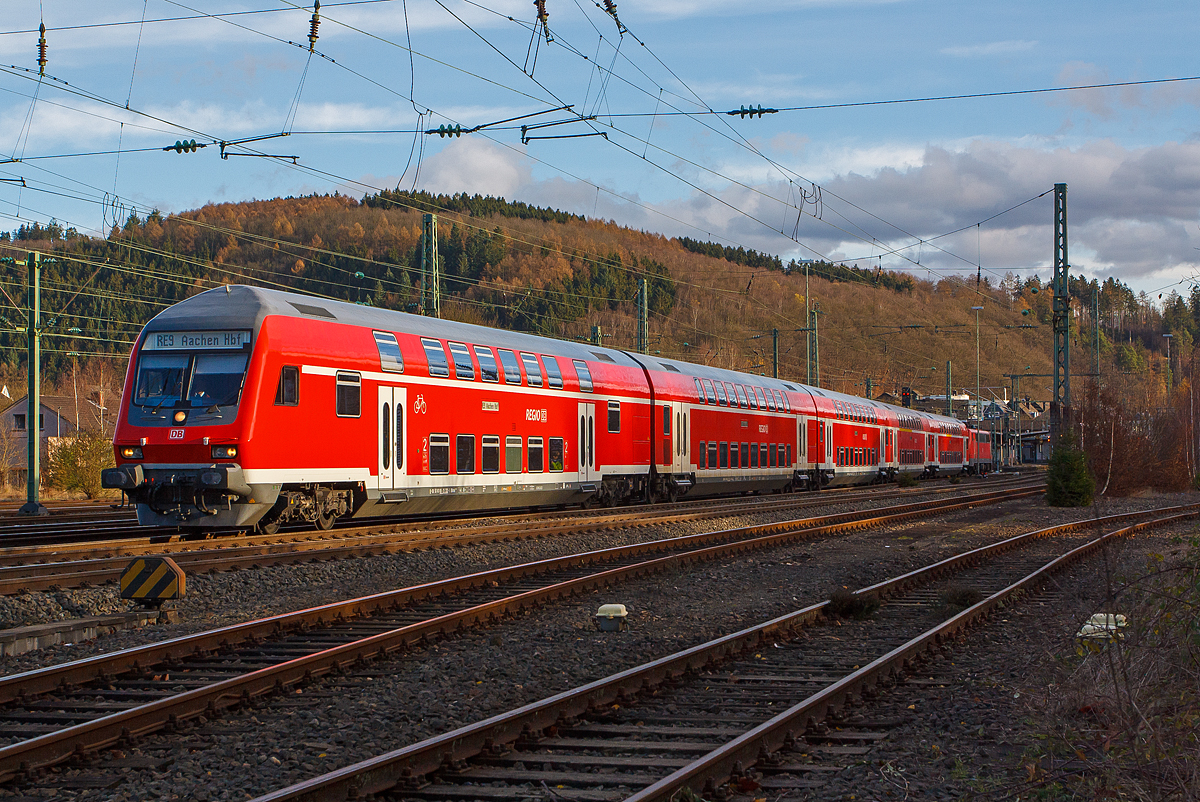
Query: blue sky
{"points": [[892, 180]]}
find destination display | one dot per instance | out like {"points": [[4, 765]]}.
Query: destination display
{"points": [[194, 340]]}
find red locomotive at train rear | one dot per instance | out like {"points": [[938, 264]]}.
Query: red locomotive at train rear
{"points": [[252, 407]]}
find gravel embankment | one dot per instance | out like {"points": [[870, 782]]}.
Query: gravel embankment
{"points": [[220, 599], [334, 723], [975, 733]]}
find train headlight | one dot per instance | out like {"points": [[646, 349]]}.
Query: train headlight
{"points": [[224, 452], [212, 478], [181, 416], [131, 452]]}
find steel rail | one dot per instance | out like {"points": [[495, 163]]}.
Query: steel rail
{"points": [[379, 774], [19, 759], [217, 555]]}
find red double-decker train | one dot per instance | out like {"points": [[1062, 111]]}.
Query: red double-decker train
{"points": [[252, 407]]}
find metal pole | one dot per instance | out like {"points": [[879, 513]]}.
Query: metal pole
{"points": [[775, 353], [1062, 318], [1096, 333], [33, 307], [642, 335], [1168, 337], [816, 349], [949, 407], [978, 397], [808, 357], [431, 283]]}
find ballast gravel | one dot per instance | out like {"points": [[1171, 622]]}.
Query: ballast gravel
{"points": [[333, 723]]}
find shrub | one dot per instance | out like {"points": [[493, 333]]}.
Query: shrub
{"points": [[906, 480], [75, 463], [1069, 483]]}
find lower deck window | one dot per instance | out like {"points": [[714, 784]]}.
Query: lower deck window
{"points": [[465, 454], [762, 456], [774, 455], [556, 454], [754, 455], [512, 455], [745, 455], [349, 395], [789, 463], [439, 453], [491, 453], [724, 451], [712, 455], [535, 455], [701, 454], [734, 451]]}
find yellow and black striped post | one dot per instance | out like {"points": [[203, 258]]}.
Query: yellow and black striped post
{"points": [[153, 580]]}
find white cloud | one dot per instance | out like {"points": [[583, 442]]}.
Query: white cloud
{"points": [[475, 165]]}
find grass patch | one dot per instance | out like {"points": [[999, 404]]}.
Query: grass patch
{"points": [[956, 598], [847, 604]]}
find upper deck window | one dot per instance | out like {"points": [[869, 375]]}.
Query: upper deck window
{"points": [[463, 368], [435, 355], [553, 373], [512, 371], [585, 375], [390, 358], [709, 396], [533, 373], [721, 394], [741, 396], [487, 364]]}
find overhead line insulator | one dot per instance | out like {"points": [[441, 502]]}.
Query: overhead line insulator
{"points": [[42, 49], [543, 17], [313, 25], [610, 8], [751, 112], [447, 130], [186, 146]]}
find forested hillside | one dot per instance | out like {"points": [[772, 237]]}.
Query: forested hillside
{"points": [[516, 266]]}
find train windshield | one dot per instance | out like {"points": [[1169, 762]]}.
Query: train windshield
{"points": [[208, 383], [217, 379], [160, 379]]}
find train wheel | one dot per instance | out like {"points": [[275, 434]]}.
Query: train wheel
{"points": [[268, 527], [325, 520]]}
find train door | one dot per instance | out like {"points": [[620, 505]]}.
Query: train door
{"points": [[815, 441], [677, 419], [929, 448], [889, 438], [587, 442], [390, 439]]}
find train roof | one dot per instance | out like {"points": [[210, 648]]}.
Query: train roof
{"points": [[238, 306]]}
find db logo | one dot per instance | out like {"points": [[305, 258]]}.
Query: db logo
{"points": [[176, 434]]}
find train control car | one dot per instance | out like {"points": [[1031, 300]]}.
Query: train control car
{"points": [[979, 452]]}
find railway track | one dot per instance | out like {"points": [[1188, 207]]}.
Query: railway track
{"points": [[78, 707], [71, 565], [749, 710]]}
